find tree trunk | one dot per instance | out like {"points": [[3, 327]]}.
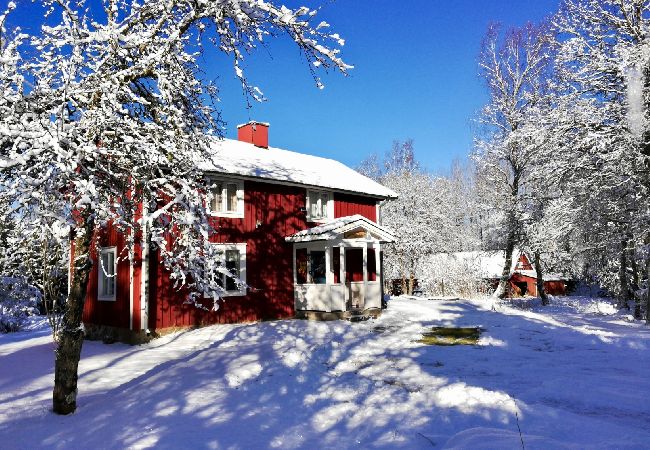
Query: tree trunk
{"points": [[411, 284], [647, 291], [624, 296], [635, 286], [68, 351], [512, 223], [403, 267], [541, 292], [502, 289]]}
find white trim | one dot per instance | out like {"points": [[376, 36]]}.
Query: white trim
{"points": [[131, 292], [241, 247], [365, 271], [330, 207], [238, 213], [332, 232], [101, 274], [378, 274], [144, 274]]}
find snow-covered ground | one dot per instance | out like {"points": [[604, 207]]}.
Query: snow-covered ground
{"points": [[577, 375]]}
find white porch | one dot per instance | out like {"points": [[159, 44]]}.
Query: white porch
{"points": [[337, 266]]}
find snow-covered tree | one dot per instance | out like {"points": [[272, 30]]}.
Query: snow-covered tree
{"points": [[116, 114], [514, 66], [433, 214], [605, 60]]}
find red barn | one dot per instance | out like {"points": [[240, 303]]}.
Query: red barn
{"points": [[302, 232]]}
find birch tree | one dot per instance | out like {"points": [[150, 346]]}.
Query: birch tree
{"points": [[513, 65]]}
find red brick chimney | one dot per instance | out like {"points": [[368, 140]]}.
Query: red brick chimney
{"points": [[253, 132]]}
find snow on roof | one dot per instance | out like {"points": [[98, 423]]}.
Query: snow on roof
{"points": [[489, 264], [244, 159], [336, 227]]}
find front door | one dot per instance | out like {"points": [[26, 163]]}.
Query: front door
{"points": [[354, 278]]}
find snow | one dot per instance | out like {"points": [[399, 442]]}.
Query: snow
{"points": [[241, 158], [336, 227], [574, 373], [486, 264]]}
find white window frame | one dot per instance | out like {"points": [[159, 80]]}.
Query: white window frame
{"points": [[330, 205], [239, 211], [241, 247], [102, 276]]}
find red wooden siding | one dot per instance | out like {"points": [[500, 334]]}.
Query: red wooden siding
{"points": [[524, 263], [551, 287], [518, 279], [349, 205], [112, 313], [555, 287], [271, 212]]}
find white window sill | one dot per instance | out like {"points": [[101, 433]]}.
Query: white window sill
{"points": [[234, 294], [322, 220], [106, 299], [228, 215], [242, 293]]}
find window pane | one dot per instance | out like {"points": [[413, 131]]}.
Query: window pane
{"points": [[324, 199], [107, 274], [232, 265], [313, 203], [301, 265], [215, 204], [336, 264], [231, 197], [372, 265], [218, 265], [317, 272]]}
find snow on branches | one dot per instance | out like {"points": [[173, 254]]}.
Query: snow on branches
{"points": [[105, 114], [116, 113]]}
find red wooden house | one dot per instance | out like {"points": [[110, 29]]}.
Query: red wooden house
{"points": [[302, 232]]}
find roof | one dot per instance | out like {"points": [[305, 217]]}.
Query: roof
{"points": [[243, 159], [337, 227], [488, 264]]}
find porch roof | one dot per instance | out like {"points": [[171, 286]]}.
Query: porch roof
{"points": [[338, 227]]}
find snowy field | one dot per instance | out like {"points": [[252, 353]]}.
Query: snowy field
{"points": [[576, 374]]}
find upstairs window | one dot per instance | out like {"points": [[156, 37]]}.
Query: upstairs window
{"points": [[320, 206], [227, 198], [106, 282]]}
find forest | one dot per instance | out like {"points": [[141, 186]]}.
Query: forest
{"points": [[560, 166]]}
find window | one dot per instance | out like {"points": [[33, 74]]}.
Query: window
{"points": [[317, 267], [310, 266], [320, 206], [229, 269], [227, 198], [106, 282]]}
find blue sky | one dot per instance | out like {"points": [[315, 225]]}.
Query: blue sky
{"points": [[415, 76]]}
